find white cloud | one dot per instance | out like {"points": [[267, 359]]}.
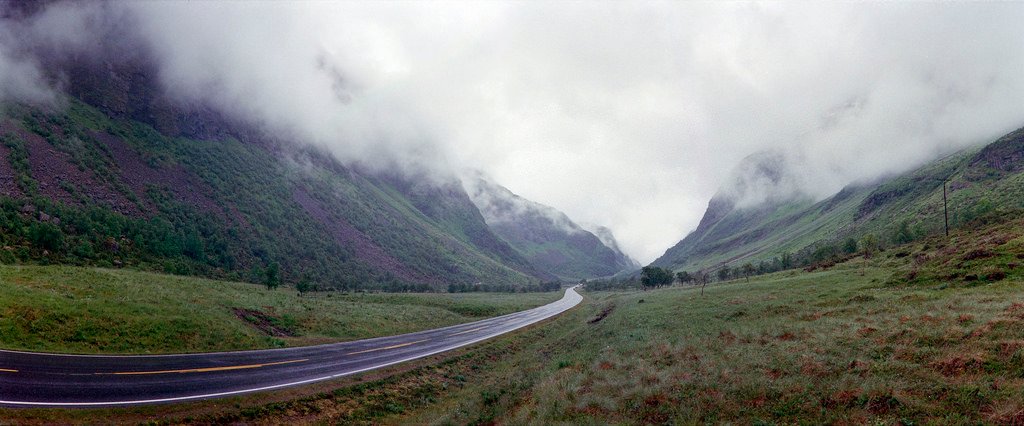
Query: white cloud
{"points": [[624, 114]]}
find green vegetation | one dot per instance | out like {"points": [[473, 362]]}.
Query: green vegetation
{"points": [[927, 333], [855, 343], [653, 276], [84, 310], [982, 184], [104, 191]]}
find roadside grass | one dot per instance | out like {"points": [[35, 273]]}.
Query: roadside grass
{"points": [[823, 347], [92, 310], [852, 344], [855, 343]]}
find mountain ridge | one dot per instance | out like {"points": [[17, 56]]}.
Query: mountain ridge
{"points": [[546, 236], [981, 179]]}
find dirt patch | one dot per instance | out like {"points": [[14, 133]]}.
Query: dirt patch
{"points": [[978, 254], [812, 368], [270, 325], [866, 331], [603, 314], [882, 403], [786, 337], [958, 365], [860, 367], [1009, 347], [1016, 310], [842, 399]]}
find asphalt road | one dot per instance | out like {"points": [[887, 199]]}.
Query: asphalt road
{"points": [[51, 380]]}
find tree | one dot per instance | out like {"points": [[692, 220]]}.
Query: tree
{"points": [[824, 253], [273, 276], [46, 236], [304, 285], [903, 233], [724, 273], [748, 270], [653, 276], [869, 244], [850, 246], [684, 277], [786, 261], [702, 278]]}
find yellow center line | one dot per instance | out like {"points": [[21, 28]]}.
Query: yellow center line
{"points": [[469, 331], [387, 347], [205, 370], [8, 370]]}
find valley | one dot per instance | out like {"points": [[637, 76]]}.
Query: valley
{"points": [[854, 342], [511, 213]]}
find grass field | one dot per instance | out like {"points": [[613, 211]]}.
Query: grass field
{"points": [[86, 310], [855, 343], [852, 344], [928, 333]]}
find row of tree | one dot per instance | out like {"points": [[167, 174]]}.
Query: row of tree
{"points": [[654, 277], [505, 288]]}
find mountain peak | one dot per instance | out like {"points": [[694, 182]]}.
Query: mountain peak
{"points": [[763, 177], [546, 236]]}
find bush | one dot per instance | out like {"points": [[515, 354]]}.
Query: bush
{"points": [[904, 234], [46, 236], [850, 246]]}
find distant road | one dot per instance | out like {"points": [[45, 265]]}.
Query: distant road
{"points": [[50, 380]]}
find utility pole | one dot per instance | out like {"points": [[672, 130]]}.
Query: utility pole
{"points": [[945, 208]]}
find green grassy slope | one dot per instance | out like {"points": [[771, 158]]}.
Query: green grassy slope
{"points": [[91, 310], [125, 194], [855, 343], [981, 182]]}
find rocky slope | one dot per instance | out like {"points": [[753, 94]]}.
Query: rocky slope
{"points": [[120, 175]]}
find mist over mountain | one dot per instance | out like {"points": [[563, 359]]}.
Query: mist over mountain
{"points": [[646, 106], [608, 238], [546, 236], [401, 227], [981, 181], [116, 171]]}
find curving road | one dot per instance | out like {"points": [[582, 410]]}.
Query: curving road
{"points": [[30, 379]]}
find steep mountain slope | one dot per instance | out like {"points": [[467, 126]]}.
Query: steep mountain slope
{"points": [[606, 236], [84, 186], [980, 182], [546, 236]]}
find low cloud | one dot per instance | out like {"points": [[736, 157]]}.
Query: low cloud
{"points": [[498, 205], [630, 115]]}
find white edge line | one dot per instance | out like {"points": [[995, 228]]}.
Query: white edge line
{"points": [[301, 382], [297, 348]]}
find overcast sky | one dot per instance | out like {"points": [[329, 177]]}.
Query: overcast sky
{"points": [[625, 114]]}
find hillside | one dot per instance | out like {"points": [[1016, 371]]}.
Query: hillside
{"points": [[123, 172], [92, 186], [607, 237], [856, 342], [124, 311], [981, 182], [546, 236]]}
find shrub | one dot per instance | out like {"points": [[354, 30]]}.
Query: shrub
{"points": [[46, 236]]}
